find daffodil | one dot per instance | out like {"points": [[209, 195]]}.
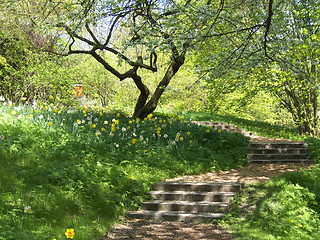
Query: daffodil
{"points": [[69, 233]]}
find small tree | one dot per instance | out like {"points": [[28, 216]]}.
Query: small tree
{"points": [[137, 31]]}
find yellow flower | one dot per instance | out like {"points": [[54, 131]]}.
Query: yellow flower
{"points": [[208, 130], [150, 115], [101, 114], [181, 138], [94, 125], [134, 140], [118, 115], [69, 233], [291, 220], [188, 133], [98, 133], [50, 123], [219, 131], [103, 129], [190, 141], [300, 225]]}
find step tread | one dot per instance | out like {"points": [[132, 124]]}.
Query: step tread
{"points": [[200, 203], [192, 193]]}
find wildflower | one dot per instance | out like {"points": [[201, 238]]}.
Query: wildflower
{"points": [[20, 116], [291, 220], [27, 209], [96, 120], [50, 123], [149, 116], [79, 121], [188, 133], [300, 225], [105, 122], [219, 131], [98, 133], [41, 117], [31, 116], [208, 130], [145, 151], [181, 138], [101, 113], [117, 145], [165, 135], [103, 129], [190, 141], [130, 122], [124, 129], [118, 115], [69, 233], [94, 126], [134, 140]]}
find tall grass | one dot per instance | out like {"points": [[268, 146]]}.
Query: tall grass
{"points": [[81, 169]]}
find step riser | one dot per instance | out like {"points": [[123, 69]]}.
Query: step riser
{"points": [[277, 156], [197, 187], [280, 151], [193, 197], [175, 207], [174, 218], [276, 145], [262, 161]]}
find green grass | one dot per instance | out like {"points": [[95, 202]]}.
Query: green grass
{"points": [[258, 128], [82, 169], [284, 208]]}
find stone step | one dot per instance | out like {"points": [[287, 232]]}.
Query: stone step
{"points": [[193, 196], [277, 156], [175, 216], [279, 151], [198, 187], [190, 207], [277, 145], [262, 161]]}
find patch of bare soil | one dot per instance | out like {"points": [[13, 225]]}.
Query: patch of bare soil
{"points": [[153, 230], [249, 174]]}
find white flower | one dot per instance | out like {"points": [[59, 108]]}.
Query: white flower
{"points": [[124, 129], [165, 135], [27, 209], [41, 117], [105, 122], [96, 120], [20, 116]]}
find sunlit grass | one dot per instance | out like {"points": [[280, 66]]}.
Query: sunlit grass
{"points": [[83, 168]]}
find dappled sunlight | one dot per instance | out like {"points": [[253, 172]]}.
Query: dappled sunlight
{"points": [[153, 230], [249, 174]]}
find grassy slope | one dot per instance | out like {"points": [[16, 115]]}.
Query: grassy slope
{"points": [[83, 169]]}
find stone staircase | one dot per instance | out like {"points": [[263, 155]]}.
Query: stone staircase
{"points": [[188, 202], [202, 202], [223, 126], [283, 152]]}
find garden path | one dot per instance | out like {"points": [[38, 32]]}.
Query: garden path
{"points": [[153, 230]]}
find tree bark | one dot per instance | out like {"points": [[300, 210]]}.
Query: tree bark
{"points": [[141, 111]]}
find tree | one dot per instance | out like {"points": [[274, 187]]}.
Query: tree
{"points": [[282, 60], [137, 31]]}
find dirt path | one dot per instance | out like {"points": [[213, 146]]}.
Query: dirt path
{"points": [[152, 230]]}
